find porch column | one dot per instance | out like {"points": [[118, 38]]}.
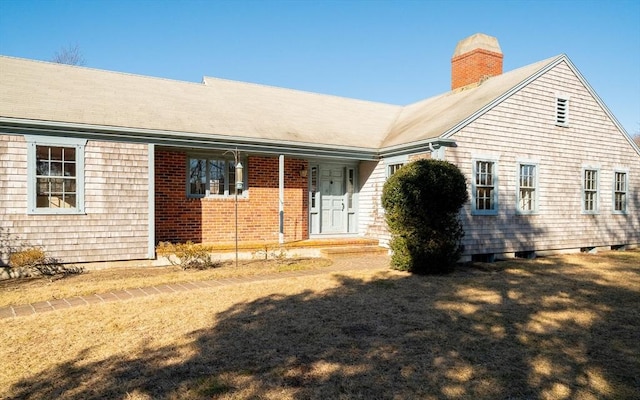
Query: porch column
{"points": [[281, 197]]}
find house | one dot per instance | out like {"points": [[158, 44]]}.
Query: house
{"points": [[101, 166]]}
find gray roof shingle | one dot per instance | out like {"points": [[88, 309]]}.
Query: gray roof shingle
{"points": [[42, 91]]}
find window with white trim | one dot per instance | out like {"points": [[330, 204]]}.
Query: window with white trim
{"points": [[212, 176], [393, 168], [351, 187], [55, 175], [394, 164], [620, 192], [313, 188], [527, 188], [590, 187], [562, 110], [485, 189]]}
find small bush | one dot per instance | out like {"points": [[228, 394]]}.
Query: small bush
{"points": [[189, 255], [422, 201], [270, 251], [36, 261], [27, 258]]}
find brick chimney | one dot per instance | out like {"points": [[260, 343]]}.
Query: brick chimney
{"points": [[475, 59]]}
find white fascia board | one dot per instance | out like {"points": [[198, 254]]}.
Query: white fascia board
{"points": [[601, 103], [453, 130]]}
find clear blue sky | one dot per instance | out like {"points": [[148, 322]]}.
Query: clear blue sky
{"points": [[388, 51]]}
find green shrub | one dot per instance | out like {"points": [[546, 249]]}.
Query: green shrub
{"points": [[422, 201]]}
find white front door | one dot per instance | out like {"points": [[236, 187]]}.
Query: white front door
{"points": [[332, 195]]}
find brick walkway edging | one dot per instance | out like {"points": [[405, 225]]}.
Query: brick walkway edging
{"points": [[340, 264]]}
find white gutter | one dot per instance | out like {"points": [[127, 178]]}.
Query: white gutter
{"points": [[418, 146]]}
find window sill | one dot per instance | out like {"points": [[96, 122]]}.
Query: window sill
{"points": [[526, 213], [55, 212], [218, 198], [485, 213]]}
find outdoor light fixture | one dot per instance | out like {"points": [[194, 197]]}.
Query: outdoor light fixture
{"points": [[303, 172], [239, 176]]}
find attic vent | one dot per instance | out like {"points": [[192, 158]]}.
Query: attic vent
{"points": [[562, 110]]}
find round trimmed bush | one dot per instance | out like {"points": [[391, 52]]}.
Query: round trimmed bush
{"points": [[422, 201]]}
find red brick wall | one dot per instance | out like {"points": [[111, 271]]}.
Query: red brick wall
{"points": [[472, 66], [211, 220]]}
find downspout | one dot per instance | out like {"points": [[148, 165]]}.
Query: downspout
{"points": [[281, 198]]}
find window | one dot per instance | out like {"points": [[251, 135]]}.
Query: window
{"points": [[313, 187], [212, 177], [350, 187], [485, 196], [393, 168], [55, 175], [394, 164], [527, 188], [590, 191], [562, 110], [620, 192]]}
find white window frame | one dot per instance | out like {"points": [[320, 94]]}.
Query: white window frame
{"points": [[561, 113], [595, 191], [624, 191], [392, 164], [78, 144], [351, 188], [314, 188], [228, 191], [535, 188], [474, 186]]}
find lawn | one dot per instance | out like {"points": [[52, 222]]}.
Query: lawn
{"points": [[565, 327]]}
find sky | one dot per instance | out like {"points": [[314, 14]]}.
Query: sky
{"points": [[395, 52]]}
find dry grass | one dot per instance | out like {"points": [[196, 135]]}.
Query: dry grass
{"points": [[555, 328], [23, 291]]}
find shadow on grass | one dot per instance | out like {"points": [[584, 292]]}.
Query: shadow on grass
{"points": [[527, 333]]}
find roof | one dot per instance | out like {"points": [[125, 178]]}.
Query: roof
{"points": [[45, 91], [226, 111], [436, 116]]}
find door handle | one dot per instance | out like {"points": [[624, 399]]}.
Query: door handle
{"points": [[343, 206]]}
